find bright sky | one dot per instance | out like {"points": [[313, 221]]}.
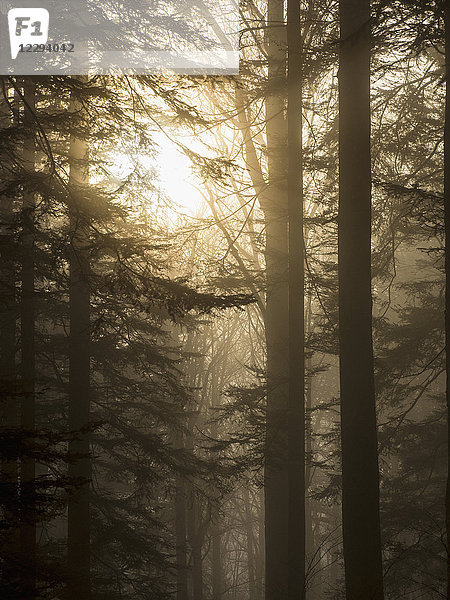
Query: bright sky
{"points": [[173, 174], [176, 178]]}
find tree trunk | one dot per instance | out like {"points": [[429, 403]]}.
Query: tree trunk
{"points": [[79, 355], [296, 431], [27, 317], [447, 268], [360, 477], [274, 205]]}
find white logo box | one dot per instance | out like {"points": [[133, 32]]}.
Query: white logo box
{"points": [[80, 37]]}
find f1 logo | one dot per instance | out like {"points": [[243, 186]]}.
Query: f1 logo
{"points": [[27, 26]]}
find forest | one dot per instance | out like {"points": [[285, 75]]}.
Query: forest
{"points": [[225, 318]]}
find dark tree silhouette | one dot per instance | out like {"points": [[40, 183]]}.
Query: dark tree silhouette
{"points": [[447, 266], [274, 205], [78, 537], [296, 423], [28, 350], [360, 479]]}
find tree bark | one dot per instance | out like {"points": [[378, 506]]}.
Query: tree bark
{"points": [[79, 374], [360, 477]]}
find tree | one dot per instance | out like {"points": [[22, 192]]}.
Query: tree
{"points": [[447, 266], [296, 422], [274, 205], [360, 478], [78, 535], [28, 352]]}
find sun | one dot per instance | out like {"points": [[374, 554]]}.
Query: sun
{"points": [[172, 175], [176, 178]]}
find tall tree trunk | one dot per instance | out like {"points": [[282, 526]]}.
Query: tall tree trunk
{"points": [[447, 267], [28, 370], [284, 319], [9, 414], [79, 359], [360, 477], [274, 205], [296, 431]]}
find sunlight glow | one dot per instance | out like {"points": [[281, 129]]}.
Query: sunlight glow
{"points": [[176, 178]]}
